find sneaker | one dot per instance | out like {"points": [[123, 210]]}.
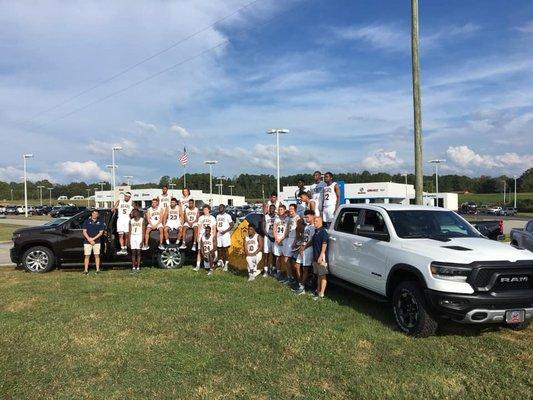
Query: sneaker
{"points": [[256, 273], [225, 268], [183, 246], [145, 247], [265, 274], [251, 278], [196, 269], [85, 272], [193, 248], [210, 272], [317, 297], [167, 242], [161, 247], [220, 263], [298, 291]]}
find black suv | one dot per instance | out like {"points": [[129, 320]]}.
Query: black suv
{"points": [[66, 211], [59, 243]]}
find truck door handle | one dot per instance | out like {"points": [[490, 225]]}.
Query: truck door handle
{"points": [[358, 244], [333, 239]]}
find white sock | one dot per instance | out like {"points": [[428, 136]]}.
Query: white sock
{"points": [[198, 264]]}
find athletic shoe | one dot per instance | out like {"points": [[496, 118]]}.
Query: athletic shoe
{"points": [[251, 278], [256, 273], [161, 247], [184, 246], [265, 274], [167, 242], [210, 272], [299, 291], [220, 263], [225, 268], [317, 297], [85, 272], [145, 247]]}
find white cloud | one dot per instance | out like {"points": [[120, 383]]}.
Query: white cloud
{"points": [[145, 127], [382, 160], [464, 157], [82, 170], [14, 174], [527, 28], [182, 132], [103, 148]]}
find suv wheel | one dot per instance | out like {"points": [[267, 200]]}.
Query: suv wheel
{"points": [[38, 259], [410, 310], [170, 258]]}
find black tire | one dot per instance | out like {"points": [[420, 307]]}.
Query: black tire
{"points": [[411, 311], [38, 259], [170, 258], [520, 326]]}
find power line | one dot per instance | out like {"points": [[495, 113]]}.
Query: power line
{"points": [[124, 89], [143, 61]]}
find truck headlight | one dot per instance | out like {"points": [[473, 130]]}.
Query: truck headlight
{"points": [[16, 236], [450, 273]]}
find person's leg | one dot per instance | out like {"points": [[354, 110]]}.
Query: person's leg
{"points": [[133, 259], [147, 237], [166, 233], [297, 271], [323, 282], [121, 240], [86, 263], [97, 262], [138, 260], [161, 235]]}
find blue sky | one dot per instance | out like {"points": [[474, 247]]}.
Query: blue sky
{"points": [[336, 73]]}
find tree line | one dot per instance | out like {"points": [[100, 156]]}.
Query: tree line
{"points": [[256, 187]]}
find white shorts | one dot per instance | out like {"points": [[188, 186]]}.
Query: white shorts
{"points": [[253, 261], [305, 260], [278, 248], [287, 247], [136, 242], [224, 240], [190, 224], [269, 246], [149, 227], [327, 214], [206, 260], [91, 248], [173, 225], [123, 225]]}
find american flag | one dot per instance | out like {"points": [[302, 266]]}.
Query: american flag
{"points": [[184, 157]]}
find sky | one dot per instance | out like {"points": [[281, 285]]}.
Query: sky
{"points": [[78, 77]]}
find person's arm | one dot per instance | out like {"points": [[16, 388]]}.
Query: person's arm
{"points": [[230, 225], [86, 236], [338, 194], [323, 249], [312, 205], [100, 233], [215, 245], [276, 231], [115, 206], [260, 245], [286, 233], [245, 247]]}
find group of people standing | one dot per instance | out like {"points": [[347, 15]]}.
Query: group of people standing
{"points": [[294, 239]]}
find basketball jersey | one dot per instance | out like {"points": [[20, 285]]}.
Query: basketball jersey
{"points": [[136, 227], [191, 214], [155, 215], [293, 223], [330, 197], [164, 200], [317, 191], [281, 226], [269, 224], [174, 214], [184, 201], [309, 231], [207, 220], [223, 222], [317, 210], [269, 203], [207, 243], [125, 208], [252, 243], [300, 205]]}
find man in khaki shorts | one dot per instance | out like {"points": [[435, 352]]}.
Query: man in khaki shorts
{"points": [[93, 229], [320, 257]]}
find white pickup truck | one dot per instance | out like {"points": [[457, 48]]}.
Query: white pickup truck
{"points": [[432, 265]]}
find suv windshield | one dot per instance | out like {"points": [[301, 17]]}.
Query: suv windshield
{"points": [[439, 225]]}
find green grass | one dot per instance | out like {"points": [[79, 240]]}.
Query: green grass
{"points": [[33, 217], [181, 335], [6, 231], [492, 198]]}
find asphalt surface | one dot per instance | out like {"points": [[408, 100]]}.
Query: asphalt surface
{"points": [[21, 221]]}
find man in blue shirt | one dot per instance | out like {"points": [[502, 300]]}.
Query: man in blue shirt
{"points": [[320, 257], [93, 229]]}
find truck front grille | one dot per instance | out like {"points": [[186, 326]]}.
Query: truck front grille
{"points": [[501, 279]]}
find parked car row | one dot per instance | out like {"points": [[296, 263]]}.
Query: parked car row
{"points": [[474, 209], [55, 211]]}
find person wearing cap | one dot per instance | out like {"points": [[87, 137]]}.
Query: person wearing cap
{"points": [[124, 207]]}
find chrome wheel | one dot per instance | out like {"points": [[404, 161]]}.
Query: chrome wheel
{"points": [[170, 258], [37, 261]]}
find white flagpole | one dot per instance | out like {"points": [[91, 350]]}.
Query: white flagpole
{"points": [[185, 176]]}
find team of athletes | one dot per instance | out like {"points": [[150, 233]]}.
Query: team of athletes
{"points": [[295, 238]]}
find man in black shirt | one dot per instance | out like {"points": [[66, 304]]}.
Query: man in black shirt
{"points": [[93, 229], [320, 257]]}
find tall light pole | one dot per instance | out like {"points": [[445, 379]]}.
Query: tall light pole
{"points": [[50, 194], [128, 178], [405, 175], [171, 185], [514, 192], [210, 163], [436, 162], [24, 158], [41, 193], [115, 148], [417, 112], [101, 186], [11, 194], [277, 132], [88, 196], [231, 189]]}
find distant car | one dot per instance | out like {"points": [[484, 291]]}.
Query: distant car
{"points": [[494, 210], [20, 210], [66, 211], [41, 210], [11, 210], [2, 209], [507, 211], [468, 208], [78, 197], [522, 238], [62, 198]]}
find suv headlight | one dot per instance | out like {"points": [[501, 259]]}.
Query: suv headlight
{"points": [[450, 273], [16, 236]]}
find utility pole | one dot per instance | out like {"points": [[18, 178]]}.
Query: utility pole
{"points": [[231, 189], [419, 171], [50, 201], [41, 193], [504, 190], [514, 192]]}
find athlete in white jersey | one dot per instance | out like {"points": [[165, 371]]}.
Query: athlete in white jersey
{"points": [[206, 220], [190, 221], [288, 244], [136, 239], [253, 243], [268, 228], [280, 236], [174, 220], [208, 250], [185, 197], [300, 206], [224, 226], [154, 217], [305, 255], [124, 207], [164, 198], [331, 199], [272, 200], [317, 190], [309, 203]]}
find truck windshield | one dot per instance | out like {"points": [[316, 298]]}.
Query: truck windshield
{"points": [[439, 225]]}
